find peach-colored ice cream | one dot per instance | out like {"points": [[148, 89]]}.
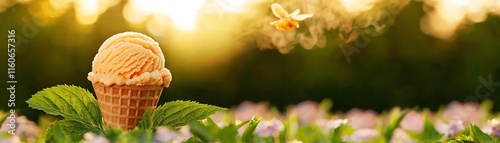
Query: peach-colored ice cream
{"points": [[130, 58]]}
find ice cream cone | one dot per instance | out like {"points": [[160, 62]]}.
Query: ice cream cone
{"points": [[123, 106], [128, 75]]}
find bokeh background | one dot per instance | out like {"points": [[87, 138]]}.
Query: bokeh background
{"points": [[369, 54]]}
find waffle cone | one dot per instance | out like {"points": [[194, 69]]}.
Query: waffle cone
{"points": [[123, 106]]}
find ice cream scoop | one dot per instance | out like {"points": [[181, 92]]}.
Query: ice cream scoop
{"points": [[130, 58]]}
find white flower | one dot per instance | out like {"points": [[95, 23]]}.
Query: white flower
{"points": [[492, 127], [25, 129], [400, 136], [93, 138], [269, 128], [13, 139], [328, 125], [287, 21], [360, 119], [413, 121], [166, 135], [308, 112], [451, 129], [364, 135], [247, 110], [466, 112]]}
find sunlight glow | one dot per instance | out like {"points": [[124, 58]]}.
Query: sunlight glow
{"points": [[88, 11], [182, 13], [449, 16], [227, 5], [357, 6]]}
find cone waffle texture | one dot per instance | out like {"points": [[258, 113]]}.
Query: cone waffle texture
{"points": [[123, 106]]}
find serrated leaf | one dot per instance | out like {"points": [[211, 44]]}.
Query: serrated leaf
{"points": [[71, 102], [70, 129], [465, 137], [247, 136], [179, 113], [76, 129], [478, 135], [145, 123]]}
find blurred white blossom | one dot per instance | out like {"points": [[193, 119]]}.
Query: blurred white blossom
{"points": [[247, 110], [308, 112], [93, 138], [166, 135], [413, 121], [465, 112], [347, 19], [13, 139], [492, 127], [400, 136], [451, 129], [24, 129], [362, 119], [363, 135], [269, 128], [328, 125]]}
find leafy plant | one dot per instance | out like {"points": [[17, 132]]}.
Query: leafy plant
{"points": [[81, 114]]}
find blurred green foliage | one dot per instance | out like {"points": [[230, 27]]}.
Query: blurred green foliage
{"points": [[403, 67]]}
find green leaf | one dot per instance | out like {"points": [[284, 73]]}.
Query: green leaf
{"points": [[326, 104], [247, 136], [242, 124], [4, 117], [394, 123], [228, 134], [202, 132], [179, 113], [311, 133], [291, 127], [145, 123], [429, 133], [337, 134], [76, 129], [113, 134], [5, 135], [56, 134], [136, 136], [193, 139], [478, 135], [464, 137], [487, 105], [211, 125], [71, 102]]}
